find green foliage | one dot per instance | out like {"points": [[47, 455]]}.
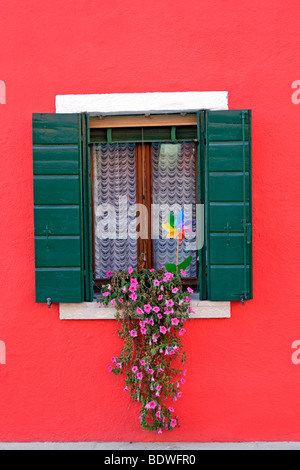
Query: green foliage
{"points": [[152, 309]]}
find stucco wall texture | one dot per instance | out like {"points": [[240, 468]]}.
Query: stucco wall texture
{"points": [[241, 384]]}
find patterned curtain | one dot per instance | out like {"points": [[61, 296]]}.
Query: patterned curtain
{"points": [[173, 188], [114, 191]]}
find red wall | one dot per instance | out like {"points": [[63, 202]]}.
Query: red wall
{"points": [[241, 382]]}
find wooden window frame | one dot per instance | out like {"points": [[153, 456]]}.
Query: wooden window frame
{"points": [[143, 156]]}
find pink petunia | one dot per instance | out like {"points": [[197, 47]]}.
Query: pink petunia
{"points": [[124, 289], [157, 414], [119, 365], [156, 309], [132, 288], [160, 297], [150, 371], [156, 283], [182, 381], [179, 394], [183, 273], [134, 369], [151, 270], [163, 330], [130, 270], [159, 315], [142, 362], [169, 303], [175, 290], [139, 311], [190, 290], [105, 294], [182, 331], [113, 302], [133, 333], [109, 274], [151, 405], [109, 368], [121, 301], [171, 409], [133, 296], [139, 375], [147, 308], [173, 423], [158, 388], [160, 370], [144, 331], [175, 321], [114, 360]]}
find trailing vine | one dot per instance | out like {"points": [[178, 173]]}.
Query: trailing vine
{"points": [[152, 308]]}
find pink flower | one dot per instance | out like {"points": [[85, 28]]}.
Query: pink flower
{"points": [[121, 301], [109, 287], [144, 331], [133, 296], [163, 330], [151, 270], [173, 423], [150, 371], [190, 310], [134, 281], [119, 365], [159, 315], [160, 370], [160, 297], [175, 290], [142, 362], [162, 288], [113, 302], [179, 394], [183, 273], [182, 331], [139, 375], [124, 289], [147, 308], [157, 414], [139, 311], [156, 309], [158, 388], [175, 321], [151, 405], [169, 303], [182, 381], [171, 409], [109, 368], [187, 299], [105, 294], [109, 274], [133, 333], [156, 283], [132, 288], [130, 270], [167, 311], [190, 290], [134, 369], [114, 359]]}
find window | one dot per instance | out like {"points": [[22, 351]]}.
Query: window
{"points": [[70, 152]]}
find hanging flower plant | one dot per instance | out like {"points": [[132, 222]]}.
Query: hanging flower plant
{"points": [[152, 309]]}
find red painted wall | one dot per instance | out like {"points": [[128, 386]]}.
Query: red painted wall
{"points": [[241, 382]]}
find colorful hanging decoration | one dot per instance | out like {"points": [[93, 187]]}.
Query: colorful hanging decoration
{"points": [[176, 228]]}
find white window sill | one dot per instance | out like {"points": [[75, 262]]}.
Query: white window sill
{"points": [[92, 311]]}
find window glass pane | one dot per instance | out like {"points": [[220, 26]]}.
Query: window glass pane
{"points": [[114, 191], [173, 190]]}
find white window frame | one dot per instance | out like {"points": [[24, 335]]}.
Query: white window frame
{"points": [[140, 103]]}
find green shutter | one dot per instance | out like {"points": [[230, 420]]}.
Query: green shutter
{"points": [[59, 153], [227, 156]]}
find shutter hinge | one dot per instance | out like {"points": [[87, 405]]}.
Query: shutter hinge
{"points": [[249, 233], [49, 302]]}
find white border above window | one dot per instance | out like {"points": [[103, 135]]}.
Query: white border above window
{"points": [[140, 103]]}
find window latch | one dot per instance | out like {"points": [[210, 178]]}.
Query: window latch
{"points": [[49, 302]]}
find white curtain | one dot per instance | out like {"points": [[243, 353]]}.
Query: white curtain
{"points": [[174, 188], [114, 191]]}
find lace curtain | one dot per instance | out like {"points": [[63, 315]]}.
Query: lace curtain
{"points": [[114, 191], [174, 188]]}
